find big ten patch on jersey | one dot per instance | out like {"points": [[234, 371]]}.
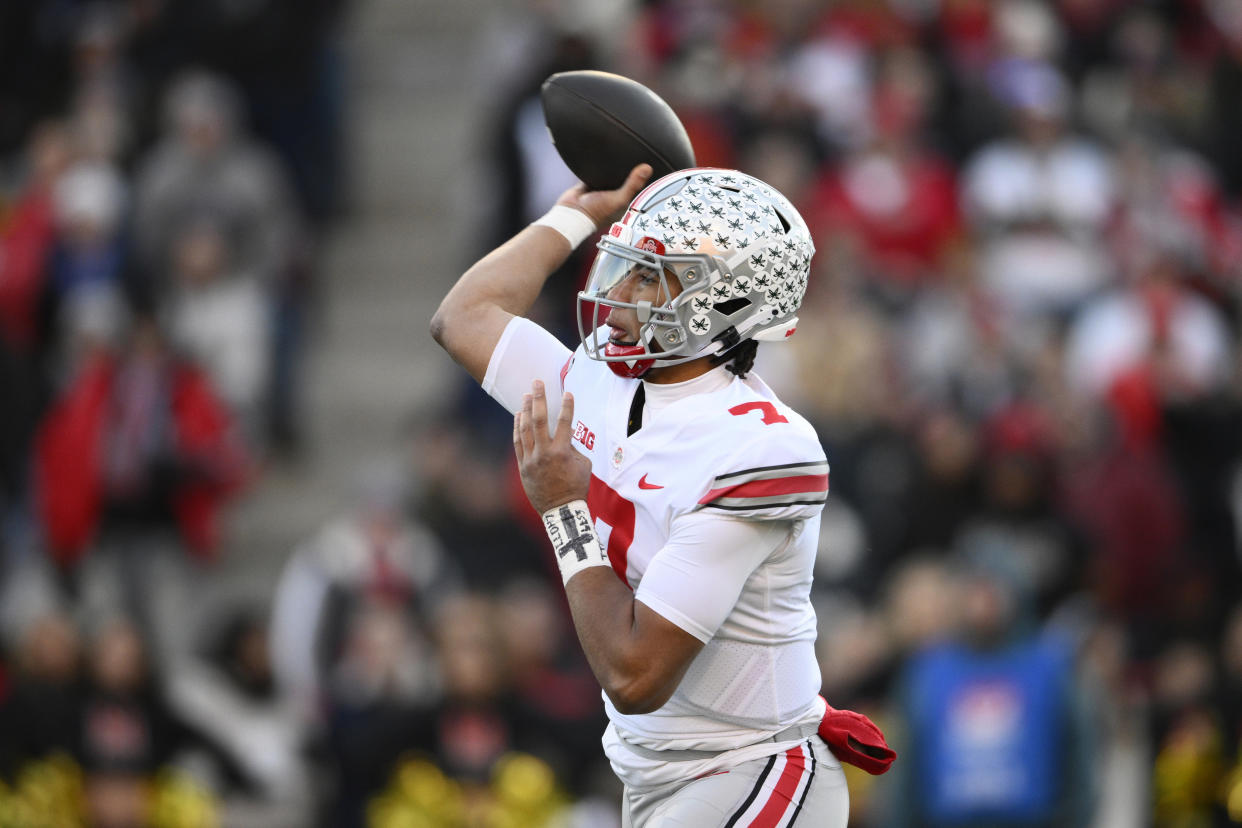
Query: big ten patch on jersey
{"points": [[584, 435]]}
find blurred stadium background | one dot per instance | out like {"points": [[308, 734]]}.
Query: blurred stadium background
{"points": [[265, 559]]}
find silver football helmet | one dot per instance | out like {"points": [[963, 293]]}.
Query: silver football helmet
{"points": [[732, 252]]}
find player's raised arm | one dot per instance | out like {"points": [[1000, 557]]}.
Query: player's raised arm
{"points": [[506, 282]]}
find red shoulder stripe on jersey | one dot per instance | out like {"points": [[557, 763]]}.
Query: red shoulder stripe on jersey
{"points": [[766, 469], [803, 484], [819, 500], [565, 370]]}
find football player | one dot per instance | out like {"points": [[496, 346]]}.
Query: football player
{"points": [[681, 496]]}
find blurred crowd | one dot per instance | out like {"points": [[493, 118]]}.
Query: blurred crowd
{"points": [[165, 172], [1021, 350], [1021, 347]]}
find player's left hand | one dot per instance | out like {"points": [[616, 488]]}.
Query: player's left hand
{"points": [[553, 472]]}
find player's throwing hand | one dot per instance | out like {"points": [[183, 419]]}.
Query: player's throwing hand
{"points": [[553, 473], [603, 206]]}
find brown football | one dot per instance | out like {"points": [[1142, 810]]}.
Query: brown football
{"points": [[604, 124]]}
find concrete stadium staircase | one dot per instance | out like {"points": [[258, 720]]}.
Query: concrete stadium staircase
{"points": [[411, 117]]}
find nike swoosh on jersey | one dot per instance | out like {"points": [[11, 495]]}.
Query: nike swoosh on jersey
{"points": [[643, 484]]}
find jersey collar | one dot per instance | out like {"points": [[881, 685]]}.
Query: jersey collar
{"points": [[662, 395]]}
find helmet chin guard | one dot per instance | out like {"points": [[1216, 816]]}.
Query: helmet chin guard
{"points": [[723, 256], [624, 360]]}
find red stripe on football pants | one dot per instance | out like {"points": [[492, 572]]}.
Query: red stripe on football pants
{"points": [[786, 787]]}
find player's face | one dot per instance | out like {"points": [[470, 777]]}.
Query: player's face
{"points": [[640, 284]]}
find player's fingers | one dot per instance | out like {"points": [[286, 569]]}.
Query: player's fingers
{"points": [[517, 436], [635, 181], [525, 431], [539, 413], [565, 419], [571, 197]]}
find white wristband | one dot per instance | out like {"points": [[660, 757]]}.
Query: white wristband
{"points": [[572, 533], [575, 225]]}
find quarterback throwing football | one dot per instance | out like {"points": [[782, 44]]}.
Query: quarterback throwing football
{"points": [[682, 498]]}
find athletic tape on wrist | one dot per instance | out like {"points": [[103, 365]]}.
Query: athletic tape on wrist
{"points": [[575, 225], [573, 537]]}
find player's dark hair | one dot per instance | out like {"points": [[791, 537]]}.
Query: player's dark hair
{"points": [[739, 359]]}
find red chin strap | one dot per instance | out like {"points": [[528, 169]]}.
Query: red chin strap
{"points": [[630, 369]]}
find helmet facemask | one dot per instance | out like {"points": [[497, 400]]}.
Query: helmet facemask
{"points": [[662, 323]]}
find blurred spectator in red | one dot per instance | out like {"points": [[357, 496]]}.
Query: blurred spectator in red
{"points": [[1165, 352], [132, 465], [137, 437], [1121, 491], [27, 235], [218, 316], [891, 204]]}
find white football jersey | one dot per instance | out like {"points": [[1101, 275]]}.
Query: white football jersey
{"points": [[735, 452]]}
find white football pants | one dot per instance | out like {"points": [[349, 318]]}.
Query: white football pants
{"points": [[804, 786]]}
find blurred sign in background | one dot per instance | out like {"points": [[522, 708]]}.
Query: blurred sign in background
{"points": [[265, 560]]}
